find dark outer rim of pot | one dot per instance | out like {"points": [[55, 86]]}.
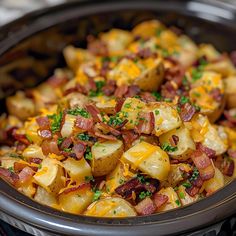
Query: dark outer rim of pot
{"points": [[207, 211]]}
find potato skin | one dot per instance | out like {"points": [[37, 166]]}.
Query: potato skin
{"points": [[104, 158]]}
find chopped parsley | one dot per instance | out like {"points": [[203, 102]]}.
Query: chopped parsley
{"points": [[181, 195], [178, 202], [114, 212], [165, 52], [187, 185], [67, 149], [141, 178], [89, 178], [60, 141], [16, 155], [40, 166], [83, 137], [168, 148], [56, 122], [157, 112], [78, 111], [195, 174], [183, 100], [97, 195], [11, 169], [121, 181], [98, 91], [29, 138], [127, 105], [157, 96], [196, 74], [144, 194], [117, 119], [88, 154], [185, 81]]}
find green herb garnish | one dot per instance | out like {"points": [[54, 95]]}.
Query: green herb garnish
{"points": [[168, 148], [78, 111], [97, 195], [83, 137], [187, 185], [89, 178], [178, 203], [157, 96], [56, 122], [183, 100], [195, 174], [143, 194], [60, 141]]}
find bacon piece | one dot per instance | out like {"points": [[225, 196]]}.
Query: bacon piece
{"points": [[21, 138], [35, 160], [174, 140], [110, 129], [232, 153], [146, 207], [203, 164], [119, 104], [43, 123], [56, 81], [84, 123], [147, 97], [121, 91], [133, 90], [216, 94], [79, 150], [168, 90], [94, 112], [26, 174], [187, 111], [91, 84], [129, 137], [227, 167], [146, 123], [105, 136], [46, 134], [66, 143], [192, 191], [109, 88], [9, 176], [160, 199], [84, 186], [198, 182], [19, 166], [144, 53], [208, 151], [105, 68], [50, 146], [175, 74]]}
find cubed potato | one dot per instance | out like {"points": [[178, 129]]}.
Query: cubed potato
{"points": [[208, 51], [33, 151], [185, 198], [184, 146], [116, 40], [111, 207], [77, 100], [215, 183], [202, 94], [115, 178], [150, 159], [176, 173], [148, 29], [166, 117], [131, 109], [105, 156], [105, 104], [77, 169], [230, 91], [77, 199], [50, 176], [173, 201], [28, 189], [44, 197], [68, 125]]}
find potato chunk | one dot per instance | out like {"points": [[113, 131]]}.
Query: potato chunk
{"points": [[33, 151], [77, 169], [148, 158], [105, 156], [111, 207], [77, 199], [184, 145], [50, 176], [44, 197], [184, 197]]}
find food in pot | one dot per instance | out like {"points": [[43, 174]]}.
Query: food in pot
{"points": [[140, 122]]}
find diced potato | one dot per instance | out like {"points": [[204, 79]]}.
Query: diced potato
{"points": [[8, 162], [131, 108], [230, 91], [184, 197], [201, 94], [147, 29], [50, 176], [208, 51], [166, 117], [77, 169], [184, 146], [176, 173], [173, 201], [77, 100], [20, 106], [44, 197], [28, 189], [105, 156], [115, 178], [214, 183], [33, 151], [111, 207], [77, 200], [105, 104], [116, 40], [150, 159], [68, 125]]}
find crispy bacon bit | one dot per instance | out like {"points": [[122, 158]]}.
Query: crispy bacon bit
{"points": [[66, 143], [203, 164], [208, 151], [57, 81], [43, 123], [187, 111], [105, 136], [174, 140], [227, 167], [216, 94], [134, 184], [160, 199], [198, 182], [91, 84], [21, 138], [168, 90], [81, 186], [109, 88], [105, 68], [84, 123], [50, 146], [94, 112], [146, 123], [133, 90], [175, 74], [79, 150], [9, 176], [119, 104], [110, 129], [19, 166], [97, 47], [233, 57], [129, 137], [145, 207], [147, 97], [26, 174], [121, 91], [46, 134], [145, 53], [192, 191], [232, 153]]}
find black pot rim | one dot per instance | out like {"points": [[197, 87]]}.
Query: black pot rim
{"points": [[207, 211]]}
